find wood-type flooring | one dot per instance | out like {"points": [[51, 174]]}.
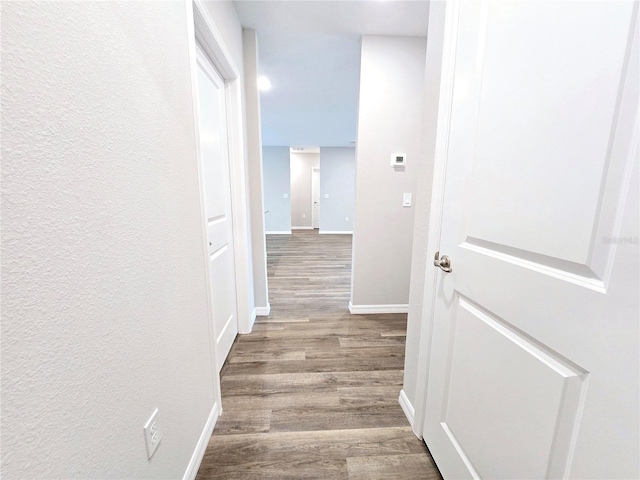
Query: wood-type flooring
{"points": [[313, 391]]}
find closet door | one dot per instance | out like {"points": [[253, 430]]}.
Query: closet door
{"points": [[217, 197]]}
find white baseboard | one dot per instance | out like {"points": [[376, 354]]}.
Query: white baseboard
{"points": [[278, 232], [301, 228], [201, 447], [254, 314], [373, 309], [263, 311], [407, 408], [336, 232]]}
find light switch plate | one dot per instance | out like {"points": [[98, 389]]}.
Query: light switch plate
{"points": [[406, 200], [398, 159], [326, 195], [285, 195]]}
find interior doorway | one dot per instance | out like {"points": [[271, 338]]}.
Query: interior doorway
{"points": [[216, 189], [305, 190], [315, 196]]}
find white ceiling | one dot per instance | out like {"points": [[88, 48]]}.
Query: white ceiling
{"points": [[310, 50]]}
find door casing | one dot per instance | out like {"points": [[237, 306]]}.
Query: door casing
{"points": [[203, 30], [436, 213]]}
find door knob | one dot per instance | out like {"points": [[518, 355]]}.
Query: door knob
{"points": [[443, 263]]}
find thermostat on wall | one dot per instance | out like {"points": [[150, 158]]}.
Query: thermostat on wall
{"points": [[398, 159]]}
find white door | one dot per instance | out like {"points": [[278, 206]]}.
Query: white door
{"points": [[217, 198], [534, 354], [315, 195]]}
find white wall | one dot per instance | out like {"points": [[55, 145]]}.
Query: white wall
{"points": [[254, 154], [389, 120], [422, 259], [104, 299], [302, 165], [277, 183], [338, 180]]}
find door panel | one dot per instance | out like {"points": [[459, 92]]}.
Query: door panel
{"points": [[217, 200], [502, 388], [534, 362], [535, 102]]}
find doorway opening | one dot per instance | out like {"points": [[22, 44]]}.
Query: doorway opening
{"points": [[315, 196], [304, 165]]}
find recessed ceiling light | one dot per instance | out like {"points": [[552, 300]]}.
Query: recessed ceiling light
{"points": [[263, 83]]}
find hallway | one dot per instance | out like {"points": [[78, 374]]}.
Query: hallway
{"points": [[312, 392]]}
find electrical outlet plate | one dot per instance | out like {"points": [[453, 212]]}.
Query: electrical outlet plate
{"points": [[152, 434]]}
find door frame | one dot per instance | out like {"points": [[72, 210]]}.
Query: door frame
{"points": [[210, 39], [204, 65], [201, 29], [436, 213]]}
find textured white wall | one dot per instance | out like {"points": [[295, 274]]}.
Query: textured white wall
{"points": [[104, 312], [301, 166], [277, 182], [422, 259], [389, 120], [338, 180]]}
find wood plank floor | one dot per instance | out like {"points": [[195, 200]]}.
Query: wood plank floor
{"points": [[313, 391]]}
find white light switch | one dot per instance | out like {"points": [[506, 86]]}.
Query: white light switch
{"points": [[285, 195], [326, 195], [406, 200], [399, 160]]}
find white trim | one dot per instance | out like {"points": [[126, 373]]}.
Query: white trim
{"points": [[301, 228], [278, 232], [336, 232], [211, 40], [407, 408], [239, 203], [374, 309], [259, 312], [201, 447], [436, 214]]}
